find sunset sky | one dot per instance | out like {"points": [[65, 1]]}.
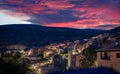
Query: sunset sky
{"points": [[97, 14]]}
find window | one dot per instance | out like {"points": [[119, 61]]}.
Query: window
{"points": [[105, 55], [118, 55]]}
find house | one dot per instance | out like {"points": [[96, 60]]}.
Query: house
{"points": [[49, 68], [109, 57], [49, 53], [7, 59], [34, 51], [75, 61]]}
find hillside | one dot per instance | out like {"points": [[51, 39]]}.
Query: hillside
{"points": [[115, 30], [36, 35]]}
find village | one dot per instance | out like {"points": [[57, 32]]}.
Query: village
{"points": [[68, 55]]}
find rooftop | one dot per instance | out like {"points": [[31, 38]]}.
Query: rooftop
{"points": [[110, 48]]}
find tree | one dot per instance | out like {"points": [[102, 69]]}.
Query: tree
{"points": [[90, 57], [12, 68]]}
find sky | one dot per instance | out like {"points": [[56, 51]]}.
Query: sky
{"points": [[95, 14]]}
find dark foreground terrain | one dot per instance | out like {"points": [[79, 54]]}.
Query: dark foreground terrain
{"points": [[89, 71]]}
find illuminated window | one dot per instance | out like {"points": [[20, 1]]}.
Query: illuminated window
{"points": [[105, 55], [118, 55]]}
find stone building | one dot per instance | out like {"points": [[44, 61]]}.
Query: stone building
{"points": [[76, 61], [109, 57], [34, 51], [47, 69]]}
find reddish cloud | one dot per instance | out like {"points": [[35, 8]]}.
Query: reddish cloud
{"points": [[24, 7], [76, 24], [57, 4], [106, 27], [15, 1], [33, 8], [100, 15]]}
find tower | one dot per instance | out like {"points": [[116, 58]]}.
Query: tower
{"points": [[69, 56], [69, 59]]}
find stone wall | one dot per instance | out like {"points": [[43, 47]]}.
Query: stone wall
{"points": [[114, 62]]}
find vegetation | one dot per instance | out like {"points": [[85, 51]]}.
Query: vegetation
{"points": [[12, 68], [35, 35], [13, 65], [41, 55], [90, 57], [42, 58]]}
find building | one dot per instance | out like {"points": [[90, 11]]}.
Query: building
{"points": [[69, 59], [75, 62], [7, 59], [49, 53], [34, 51], [109, 57], [49, 68]]}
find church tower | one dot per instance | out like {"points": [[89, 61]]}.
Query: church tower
{"points": [[69, 56]]}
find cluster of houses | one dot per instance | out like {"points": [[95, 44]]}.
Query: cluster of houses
{"points": [[73, 58], [41, 59], [107, 56]]}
